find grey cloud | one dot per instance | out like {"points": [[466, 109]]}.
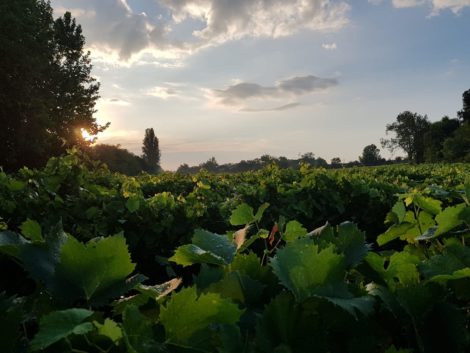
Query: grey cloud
{"points": [[295, 86], [275, 109], [306, 84], [113, 25]]}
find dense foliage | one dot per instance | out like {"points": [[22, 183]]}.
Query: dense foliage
{"points": [[47, 92], [277, 260]]}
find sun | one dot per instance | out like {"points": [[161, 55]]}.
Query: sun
{"points": [[86, 135]]}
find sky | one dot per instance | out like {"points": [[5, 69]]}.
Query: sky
{"points": [[237, 79]]}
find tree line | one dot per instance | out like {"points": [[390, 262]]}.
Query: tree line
{"points": [[48, 97]]}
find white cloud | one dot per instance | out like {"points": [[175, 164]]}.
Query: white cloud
{"points": [[454, 5], [437, 5], [118, 33], [407, 3], [329, 46], [162, 92], [244, 94]]}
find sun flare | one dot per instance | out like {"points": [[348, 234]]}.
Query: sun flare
{"points": [[86, 135]]}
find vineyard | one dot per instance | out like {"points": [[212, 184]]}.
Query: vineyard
{"points": [[277, 260]]}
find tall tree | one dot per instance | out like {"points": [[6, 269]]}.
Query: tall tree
{"points": [[151, 151], [370, 155], [47, 93], [438, 132], [410, 129], [464, 114]]}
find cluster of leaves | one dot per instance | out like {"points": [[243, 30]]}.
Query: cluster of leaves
{"points": [[159, 213], [281, 289]]}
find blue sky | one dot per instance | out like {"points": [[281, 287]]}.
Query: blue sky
{"points": [[236, 79]]}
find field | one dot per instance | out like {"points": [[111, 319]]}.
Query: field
{"points": [[278, 260]]}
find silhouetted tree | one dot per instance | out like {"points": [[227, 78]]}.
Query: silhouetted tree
{"points": [[464, 114], [335, 162], [370, 155], [151, 151], [117, 159], [410, 129], [434, 139], [47, 93], [457, 147], [210, 165]]}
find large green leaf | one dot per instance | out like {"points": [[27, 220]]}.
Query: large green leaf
{"points": [[449, 219], [348, 239], [31, 230], [303, 268], [109, 329], [242, 215], [88, 270], [293, 231], [453, 263], [310, 272], [428, 204], [207, 248], [197, 313], [137, 332], [61, 324], [40, 259], [239, 287], [400, 271], [352, 243]]}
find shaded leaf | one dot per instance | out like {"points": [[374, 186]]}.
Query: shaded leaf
{"points": [[242, 215], [31, 230], [197, 313], [293, 231], [137, 332], [110, 329], [60, 324]]}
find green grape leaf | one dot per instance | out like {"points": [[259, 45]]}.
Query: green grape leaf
{"points": [[110, 329], [399, 210], [364, 304], [137, 332], [394, 232], [449, 219], [294, 265], [260, 212], [293, 231], [133, 204], [428, 204], [88, 270], [40, 259], [348, 239], [242, 215], [10, 243], [352, 243], [458, 274], [197, 313], [239, 287], [61, 324], [250, 265], [190, 254], [207, 248], [452, 264], [401, 269], [31, 230]]}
